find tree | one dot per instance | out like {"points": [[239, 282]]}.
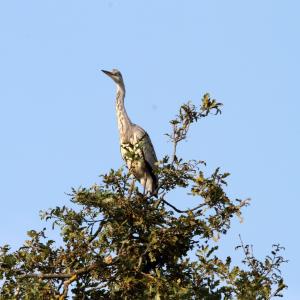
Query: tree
{"points": [[120, 243]]}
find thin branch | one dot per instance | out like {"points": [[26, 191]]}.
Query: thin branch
{"points": [[96, 233], [248, 254], [61, 275], [174, 144], [60, 285], [182, 211]]}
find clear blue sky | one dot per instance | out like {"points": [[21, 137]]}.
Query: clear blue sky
{"points": [[57, 115]]}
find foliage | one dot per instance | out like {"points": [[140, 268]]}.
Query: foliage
{"points": [[119, 243]]}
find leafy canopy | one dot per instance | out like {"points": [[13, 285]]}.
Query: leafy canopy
{"points": [[120, 243]]}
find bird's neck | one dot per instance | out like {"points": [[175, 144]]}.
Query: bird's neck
{"points": [[124, 122]]}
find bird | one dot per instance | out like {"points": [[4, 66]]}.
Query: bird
{"points": [[136, 147]]}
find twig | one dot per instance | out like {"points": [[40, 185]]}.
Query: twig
{"points": [[182, 211], [248, 254], [60, 285], [96, 233], [174, 144], [61, 275]]}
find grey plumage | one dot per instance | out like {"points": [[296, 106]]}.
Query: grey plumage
{"points": [[136, 146]]}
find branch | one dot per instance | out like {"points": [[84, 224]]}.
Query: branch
{"points": [[96, 233], [182, 211], [188, 114], [175, 142], [66, 287], [246, 252], [61, 275]]}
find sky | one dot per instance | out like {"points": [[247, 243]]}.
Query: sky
{"points": [[57, 116]]}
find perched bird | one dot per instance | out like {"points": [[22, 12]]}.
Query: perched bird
{"points": [[136, 147]]}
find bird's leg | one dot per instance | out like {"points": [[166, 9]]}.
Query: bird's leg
{"points": [[144, 190], [132, 186]]}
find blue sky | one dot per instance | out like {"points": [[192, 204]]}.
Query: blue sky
{"points": [[57, 116]]}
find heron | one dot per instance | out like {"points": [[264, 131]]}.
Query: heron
{"points": [[136, 147]]}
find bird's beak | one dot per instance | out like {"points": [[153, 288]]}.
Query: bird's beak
{"points": [[107, 73]]}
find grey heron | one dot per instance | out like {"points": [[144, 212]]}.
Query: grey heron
{"points": [[136, 147]]}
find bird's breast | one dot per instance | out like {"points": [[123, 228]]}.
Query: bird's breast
{"points": [[133, 157]]}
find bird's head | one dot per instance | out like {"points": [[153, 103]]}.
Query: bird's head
{"points": [[115, 75]]}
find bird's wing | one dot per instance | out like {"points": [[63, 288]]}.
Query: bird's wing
{"points": [[140, 135]]}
